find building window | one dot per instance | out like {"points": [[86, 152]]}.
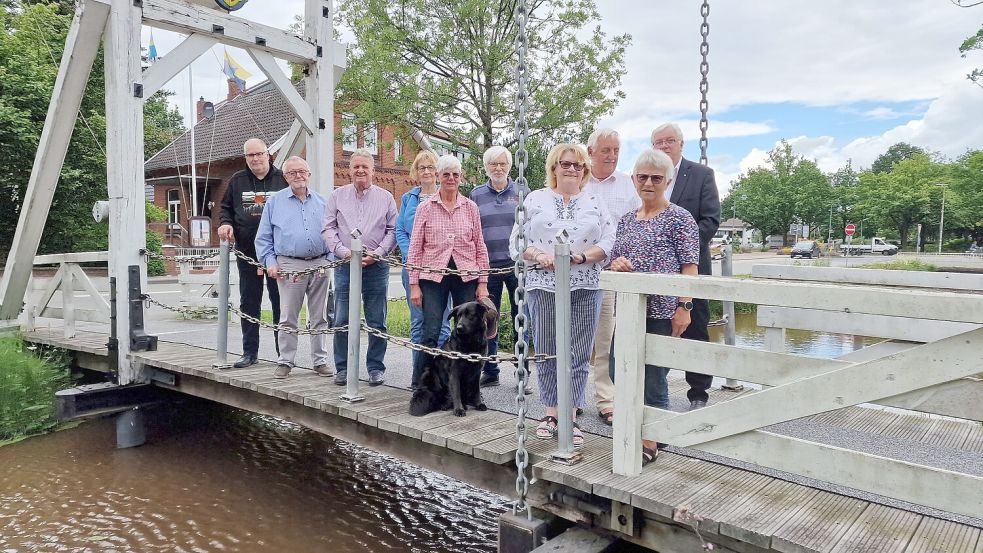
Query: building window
{"points": [[148, 192], [349, 132], [173, 209], [370, 137], [398, 150]]}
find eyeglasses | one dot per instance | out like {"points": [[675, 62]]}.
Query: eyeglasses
{"points": [[257, 154], [666, 142], [572, 165], [643, 178], [425, 168], [498, 164], [450, 174], [298, 173]]}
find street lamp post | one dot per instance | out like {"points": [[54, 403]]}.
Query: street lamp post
{"points": [[942, 215], [830, 239]]}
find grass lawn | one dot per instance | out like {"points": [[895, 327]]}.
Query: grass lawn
{"points": [[902, 265]]}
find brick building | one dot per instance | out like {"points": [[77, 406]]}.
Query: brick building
{"points": [[259, 112]]}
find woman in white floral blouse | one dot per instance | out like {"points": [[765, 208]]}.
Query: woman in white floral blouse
{"points": [[565, 206]]}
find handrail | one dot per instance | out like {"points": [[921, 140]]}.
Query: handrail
{"points": [[76, 257]]}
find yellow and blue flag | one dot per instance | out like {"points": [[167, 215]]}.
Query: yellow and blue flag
{"points": [[152, 49], [235, 72]]}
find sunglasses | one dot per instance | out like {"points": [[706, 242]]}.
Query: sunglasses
{"points": [[656, 179], [572, 165]]}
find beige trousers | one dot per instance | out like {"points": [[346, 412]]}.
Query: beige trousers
{"points": [[601, 376]]}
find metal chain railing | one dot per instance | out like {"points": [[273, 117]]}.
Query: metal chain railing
{"points": [[194, 312], [178, 258], [281, 328], [440, 270], [474, 357], [322, 269], [521, 243], [704, 85]]}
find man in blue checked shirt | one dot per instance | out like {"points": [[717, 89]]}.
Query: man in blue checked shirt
{"points": [[289, 239]]}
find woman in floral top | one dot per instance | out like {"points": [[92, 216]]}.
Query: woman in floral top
{"points": [[659, 237], [584, 216]]}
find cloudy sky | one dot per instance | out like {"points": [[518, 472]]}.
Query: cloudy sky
{"points": [[839, 79]]}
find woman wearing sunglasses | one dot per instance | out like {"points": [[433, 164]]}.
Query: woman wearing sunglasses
{"points": [[565, 206], [659, 237]]}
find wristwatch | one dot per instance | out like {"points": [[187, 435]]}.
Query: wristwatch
{"points": [[687, 305]]}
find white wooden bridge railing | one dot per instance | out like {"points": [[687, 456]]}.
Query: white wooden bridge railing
{"points": [[67, 279], [797, 386]]}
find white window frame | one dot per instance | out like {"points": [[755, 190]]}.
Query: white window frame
{"points": [[349, 132], [174, 208], [370, 138], [397, 150]]}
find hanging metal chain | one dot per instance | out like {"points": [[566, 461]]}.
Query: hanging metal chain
{"points": [[291, 274], [521, 243], [704, 85], [437, 352], [439, 270], [288, 330], [193, 312], [178, 258]]}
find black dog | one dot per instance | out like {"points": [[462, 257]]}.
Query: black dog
{"points": [[446, 382]]}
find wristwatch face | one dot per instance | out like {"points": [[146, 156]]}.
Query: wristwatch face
{"points": [[687, 305]]}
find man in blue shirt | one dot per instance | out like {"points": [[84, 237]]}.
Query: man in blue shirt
{"points": [[289, 239]]}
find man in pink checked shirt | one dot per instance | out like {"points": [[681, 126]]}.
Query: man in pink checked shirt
{"points": [[372, 210]]}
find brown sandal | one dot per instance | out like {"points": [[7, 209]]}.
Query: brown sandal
{"points": [[607, 417], [649, 455]]}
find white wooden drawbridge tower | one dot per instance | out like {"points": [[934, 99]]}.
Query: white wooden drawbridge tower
{"points": [[116, 24]]}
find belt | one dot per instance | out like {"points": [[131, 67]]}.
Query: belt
{"points": [[303, 258]]}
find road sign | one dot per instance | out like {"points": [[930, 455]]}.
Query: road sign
{"points": [[851, 229]]}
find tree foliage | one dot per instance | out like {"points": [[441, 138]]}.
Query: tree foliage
{"points": [[447, 67], [31, 46], [973, 43], [903, 197], [896, 153]]}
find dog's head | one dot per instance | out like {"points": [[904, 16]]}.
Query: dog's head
{"points": [[476, 317]]}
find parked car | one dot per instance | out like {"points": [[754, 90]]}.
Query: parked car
{"points": [[876, 245], [805, 248]]}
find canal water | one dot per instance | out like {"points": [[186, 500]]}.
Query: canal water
{"points": [[216, 479]]}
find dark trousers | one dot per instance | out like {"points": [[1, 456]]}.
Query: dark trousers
{"points": [[435, 296], [656, 377], [697, 330], [495, 285], [250, 300]]}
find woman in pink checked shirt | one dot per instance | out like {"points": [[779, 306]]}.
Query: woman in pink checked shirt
{"points": [[446, 233]]}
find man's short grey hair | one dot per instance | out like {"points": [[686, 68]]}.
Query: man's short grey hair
{"points": [[296, 159], [675, 130], [657, 159], [601, 134], [448, 162], [257, 140], [494, 152], [362, 152]]}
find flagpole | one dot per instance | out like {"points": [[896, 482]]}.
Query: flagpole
{"points": [[194, 166]]}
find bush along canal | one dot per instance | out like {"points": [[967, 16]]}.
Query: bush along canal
{"points": [[29, 378]]}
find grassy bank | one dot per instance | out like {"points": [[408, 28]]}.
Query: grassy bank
{"points": [[28, 382], [902, 265]]}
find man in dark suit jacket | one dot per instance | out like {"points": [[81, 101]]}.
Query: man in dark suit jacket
{"points": [[695, 190]]}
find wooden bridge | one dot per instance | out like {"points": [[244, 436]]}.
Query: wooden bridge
{"points": [[738, 481]]}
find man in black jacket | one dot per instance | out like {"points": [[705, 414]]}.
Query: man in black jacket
{"points": [[695, 190], [242, 208]]}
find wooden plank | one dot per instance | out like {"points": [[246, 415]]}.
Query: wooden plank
{"points": [[877, 277], [947, 433], [974, 441], [941, 536], [879, 529], [620, 488], [72, 257], [380, 396], [299, 395], [860, 324], [629, 396], [908, 427], [327, 401], [664, 496], [580, 476], [872, 421], [181, 17], [439, 435], [718, 498], [374, 416], [467, 441], [408, 425], [819, 524], [763, 514], [503, 449], [942, 306]]}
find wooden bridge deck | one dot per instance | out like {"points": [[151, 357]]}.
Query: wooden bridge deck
{"points": [[738, 509]]}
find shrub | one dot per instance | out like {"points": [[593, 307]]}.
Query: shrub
{"points": [[29, 378], [155, 267]]}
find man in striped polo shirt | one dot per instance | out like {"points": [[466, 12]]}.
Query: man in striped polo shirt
{"points": [[497, 200]]}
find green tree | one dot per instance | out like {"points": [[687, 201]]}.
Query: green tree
{"points": [[844, 199], [965, 203], [791, 190], [904, 197], [447, 67], [898, 152], [972, 43], [162, 123]]}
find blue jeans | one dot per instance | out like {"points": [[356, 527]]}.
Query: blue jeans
{"points": [[656, 378], [416, 319], [435, 295], [495, 285], [375, 282]]}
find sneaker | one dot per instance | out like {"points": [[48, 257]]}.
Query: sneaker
{"points": [[341, 379], [488, 380], [323, 370], [697, 404], [281, 371]]}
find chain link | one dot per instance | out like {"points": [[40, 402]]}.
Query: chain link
{"points": [[322, 269], [704, 85], [193, 312], [521, 243], [437, 352], [440, 270], [178, 258], [288, 330]]}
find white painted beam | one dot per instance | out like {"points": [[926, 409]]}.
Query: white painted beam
{"points": [[101, 305], [167, 67], [943, 306], [290, 144], [878, 277], [81, 47], [629, 393], [322, 76], [124, 166], [75, 257], [181, 17], [926, 365], [913, 328], [295, 101]]}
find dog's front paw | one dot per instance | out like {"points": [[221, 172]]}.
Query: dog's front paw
{"points": [[482, 407], [459, 412]]}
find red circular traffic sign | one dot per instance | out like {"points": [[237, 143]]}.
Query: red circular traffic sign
{"points": [[851, 229]]}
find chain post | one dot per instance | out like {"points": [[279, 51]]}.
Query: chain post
{"points": [[704, 85], [222, 347], [351, 394], [521, 243], [730, 331], [565, 454]]}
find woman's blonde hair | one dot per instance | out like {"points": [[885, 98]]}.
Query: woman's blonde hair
{"points": [[553, 160], [423, 156]]}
